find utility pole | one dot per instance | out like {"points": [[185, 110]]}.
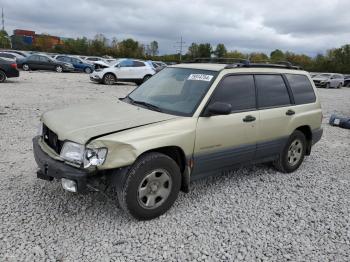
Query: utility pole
{"points": [[2, 19], [180, 46]]}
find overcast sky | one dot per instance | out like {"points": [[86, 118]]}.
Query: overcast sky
{"points": [[303, 26]]}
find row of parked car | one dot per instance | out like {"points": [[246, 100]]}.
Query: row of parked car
{"points": [[67, 63], [330, 80]]}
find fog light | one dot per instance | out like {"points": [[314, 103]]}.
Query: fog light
{"points": [[69, 185]]}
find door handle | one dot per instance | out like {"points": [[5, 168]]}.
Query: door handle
{"points": [[290, 112], [249, 118]]}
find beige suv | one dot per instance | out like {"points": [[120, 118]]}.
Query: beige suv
{"points": [[187, 122]]}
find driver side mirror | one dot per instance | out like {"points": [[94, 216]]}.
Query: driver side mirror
{"points": [[219, 108]]}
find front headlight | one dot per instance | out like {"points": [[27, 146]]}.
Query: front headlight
{"points": [[73, 152], [94, 156]]}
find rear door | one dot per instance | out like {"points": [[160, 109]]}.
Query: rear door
{"points": [[46, 63], [138, 69], [223, 141], [276, 110], [33, 62]]}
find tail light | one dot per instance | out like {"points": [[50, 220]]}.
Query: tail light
{"points": [[14, 66]]}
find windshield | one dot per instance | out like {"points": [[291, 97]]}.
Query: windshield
{"points": [[324, 75], [176, 91]]}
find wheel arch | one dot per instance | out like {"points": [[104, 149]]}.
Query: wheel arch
{"points": [[178, 155], [306, 130]]}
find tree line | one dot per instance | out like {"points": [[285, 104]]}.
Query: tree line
{"points": [[334, 60]]}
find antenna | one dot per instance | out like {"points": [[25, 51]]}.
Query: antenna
{"points": [[2, 19]]}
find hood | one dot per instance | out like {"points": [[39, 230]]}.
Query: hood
{"points": [[83, 122]]}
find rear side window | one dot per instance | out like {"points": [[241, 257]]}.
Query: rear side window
{"points": [[138, 64], [302, 89], [237, 90], [272, 91], [126, 63]]}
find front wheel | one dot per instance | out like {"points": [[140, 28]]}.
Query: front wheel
{"points": [[146, 77], [59, 69], [109, 79], [151, 186], [293, 153], [2, 76], [88, 70], [340, 85]]}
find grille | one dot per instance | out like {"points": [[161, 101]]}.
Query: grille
{"points": [[317, 82], [51, 139]]}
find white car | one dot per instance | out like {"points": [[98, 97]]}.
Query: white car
{"points": [[328, 80], [124, 70]]}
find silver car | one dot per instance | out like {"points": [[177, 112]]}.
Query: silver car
{"points": [[328, 80]]}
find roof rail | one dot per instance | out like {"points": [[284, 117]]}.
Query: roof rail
{"points": [[215, 60], [239, 62]]}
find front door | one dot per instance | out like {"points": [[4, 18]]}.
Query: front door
{"points": [[223, 141], [124, 69]]}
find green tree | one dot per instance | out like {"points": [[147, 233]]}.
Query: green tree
{"points": [[220, 50], [154, 48], [258, 57], [235, 54], [205, 50], [193, 51], [5, 41], [277, 55]]}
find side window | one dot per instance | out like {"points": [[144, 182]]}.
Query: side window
{"points": [[302, 89], [138, 64], [75, 61], [237, 90], [44, 59], [33, 58], [272, 91], [126, 63]]}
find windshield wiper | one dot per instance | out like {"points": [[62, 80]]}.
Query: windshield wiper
{"points": [[143, 103]]}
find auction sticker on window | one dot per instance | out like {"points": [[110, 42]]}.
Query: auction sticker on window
{"points": [[200, 77]]}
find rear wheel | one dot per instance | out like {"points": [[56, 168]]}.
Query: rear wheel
{"points": [[340, 85], [2, 76], [146, 77], [109, 79], [151, 186], [25, 67], [293, 154], [59, 69]]}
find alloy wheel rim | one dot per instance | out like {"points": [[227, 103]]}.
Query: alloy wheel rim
{"points": [[109, 79], [154, 189], [295, 152], [25, 67], [59, 69]]}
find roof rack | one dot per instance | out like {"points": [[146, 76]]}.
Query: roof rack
{"points": [[239, 62]]}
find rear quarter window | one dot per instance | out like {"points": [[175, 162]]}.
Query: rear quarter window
{"points": [[301, 88]]}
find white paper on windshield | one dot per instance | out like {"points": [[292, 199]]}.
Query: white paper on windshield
{"points": [[200, 77]]}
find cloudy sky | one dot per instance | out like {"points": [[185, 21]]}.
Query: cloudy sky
{"points": [[303, 26]]}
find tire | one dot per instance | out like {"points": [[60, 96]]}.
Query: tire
{"points": [[340, 85], [109, 79], [293, 153], [88, 70], [25, 67], [145, 78], [59, 69], [151, 186], [327, 85], [2, 76]]}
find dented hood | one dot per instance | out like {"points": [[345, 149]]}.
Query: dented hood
{"points": [[83, 122]]}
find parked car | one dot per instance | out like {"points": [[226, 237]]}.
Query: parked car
{"points": [[13, 56], [44, 62], [157, 66], [347, 80], [187, 122], [328, 80], [125, 70], [78, 63], [8, 69], [94, 59]]}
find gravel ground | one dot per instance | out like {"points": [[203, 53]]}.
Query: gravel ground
{"points": [[253, 214]]}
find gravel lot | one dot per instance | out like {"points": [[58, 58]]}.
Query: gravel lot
{"points": [[253, 214]]}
